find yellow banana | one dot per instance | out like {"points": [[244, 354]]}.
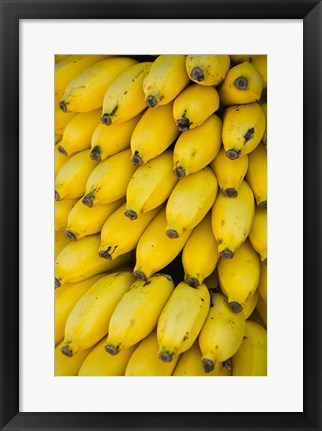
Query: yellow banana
{"points": [[120, 234], [200, 254], [59, 159], [262, 286], [80, 260], [90, 317], [257, 174], [108, 181], [167, 77], [251, 304], [71, 179], [154, 133], [65, 366], [243, 129], [251, 357], [261, 308], [181, 320], [229, 173], [62, 209], [239, 276], [243, 84], [260, 62], [137, 313], [62, 119], [83, 221], [124, 99], [144, 361], [209, 70], [60, 242], [258, 233], [189, 201], [150, 185], [241, 58], [78, 132], [155, 250], [196, 148], [98, 363], [194, 105], [86, 91], [65, 299], [264, 138], [58, 138], [107, 141], [59, 57], [222, 333], [232, 220]]}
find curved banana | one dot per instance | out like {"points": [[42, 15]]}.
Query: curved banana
{"points": [[167, 77], [260, 62], [189, 201], [62, 209], [137, 313], [60, 242], [221, 334], [62, 119], [257, 174], [90, 317], [251, 304], [65, 366], [181, 320], [262, 286], [258, 233], [209, 70], [59, 159]]}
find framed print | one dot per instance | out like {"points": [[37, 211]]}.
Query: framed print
{"points": [[130, 35]]}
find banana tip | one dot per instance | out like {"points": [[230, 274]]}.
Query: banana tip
{"points": [[172, 234], [95, 154], [232, 154], [57, 197], [192, 281], [57, 282], [105, 254], [263, 205], [230, 192], [106, 119], [62, 150], [68, 234], [235, 306], [136, 159], [66, 351], [179, 172], [131, 214], [88, 201], [183, 124], [151, 101], [197, 74], [140, 274], [62, 106], [241, 83], [208, 365], [111, 349], [226, 254], [166, 356]]}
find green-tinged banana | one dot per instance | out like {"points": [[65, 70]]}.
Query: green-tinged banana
{"points": [[260, 62], [189, 364], [107, 141], [89, 319], [137, 313], [83, 221], [62, 209], [239, 276], [78, 132], [144, 361], [196, 148], [62, 119], [194, 105], [243, 84], [150, 185], [251, 304], [155, 250], [243, 129], [229, 173], [154, 133], [200, 254], [109, 180], [232, 220], [80, 260], [167, 77], [258, 233], [251, 357], [86, 91], [65, 299], [181, 320], [98, 363], [262, 286], [264, 138], [60, 242], [71, 178], [221, 335], [65, 366], [189, 201], [124, 99], [60, 159], [209, 70], [257, 174], [120, 234], [261, 308]]}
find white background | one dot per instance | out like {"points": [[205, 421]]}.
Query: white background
{"points": [[282, 390]]}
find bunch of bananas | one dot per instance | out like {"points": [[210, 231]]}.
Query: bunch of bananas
{"points": [[161, 215]]}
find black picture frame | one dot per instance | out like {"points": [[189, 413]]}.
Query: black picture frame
{"points": [[11, 12]]}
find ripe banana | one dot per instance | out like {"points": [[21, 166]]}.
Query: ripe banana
{"points": [[137, 313], [239, 277], [155, 250], [62, 119], [200, 254], [262, 285], [196, 148], [65, 366], [71, 179], [150, 185], [251, 357], [243, 84], [108, 181], [90, 317], [86, 91], [156, 126], [124, 98], [257, 174], [221, 334], [59, 159], [243, 129], [209, 70], [251, 304], [189, 201], [194, 105], [229, 173], [260, 62], [62, 209], [167, 77], [232, 220], [258, 233], [60, 242]]}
